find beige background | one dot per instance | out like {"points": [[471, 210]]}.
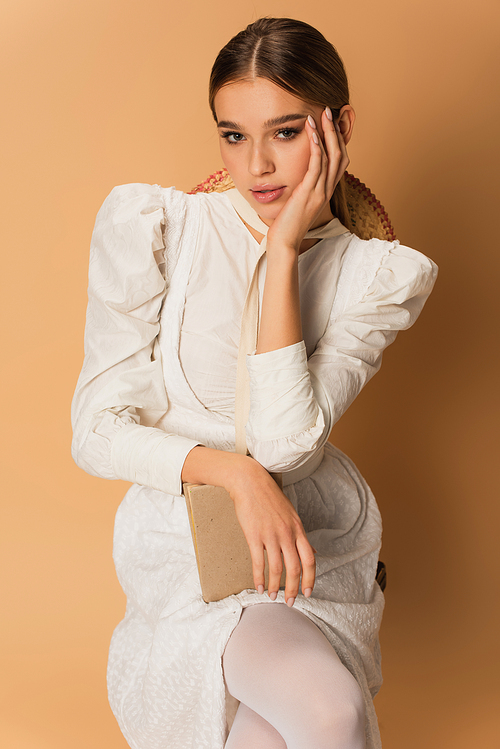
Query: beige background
{"points": [[105, 92]]}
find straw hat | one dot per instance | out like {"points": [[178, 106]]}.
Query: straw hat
{"points": [[368, 216]]}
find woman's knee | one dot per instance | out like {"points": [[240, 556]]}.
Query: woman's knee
{"points": [[349, 720], [339, 716]]}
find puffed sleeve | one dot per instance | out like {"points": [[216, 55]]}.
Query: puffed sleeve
{"points": [[295, 401], [120, 394]]}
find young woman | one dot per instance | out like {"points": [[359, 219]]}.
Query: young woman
{"points": [[154, 405]]}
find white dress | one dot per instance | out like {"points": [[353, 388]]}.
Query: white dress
{"points": [[168, 278]]}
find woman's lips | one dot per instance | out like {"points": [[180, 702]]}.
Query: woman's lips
{"points": [[267, 194]]}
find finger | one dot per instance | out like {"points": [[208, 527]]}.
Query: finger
{"points": [[325, 158], [315, 158], [308, 562], [322, 181], [334, 146], [293, 570], [318, 161], [275, 562], [258, 566]]}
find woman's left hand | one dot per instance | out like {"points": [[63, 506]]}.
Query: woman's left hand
{"points": [[328, 162]]}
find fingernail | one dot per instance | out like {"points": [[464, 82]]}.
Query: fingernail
{"points": [[290, 602], [328, 113], [315, 139], [311, 121], [260, 589], [273, 595], [308, 592]]}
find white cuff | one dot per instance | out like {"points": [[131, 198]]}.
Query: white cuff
{"points": [[148, 456], [282, 401]]}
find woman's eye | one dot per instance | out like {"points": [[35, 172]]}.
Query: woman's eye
{"points": [[233, 137], [287, 133]]}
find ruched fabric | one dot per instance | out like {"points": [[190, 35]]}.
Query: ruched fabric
{"points": [[163, 267]]}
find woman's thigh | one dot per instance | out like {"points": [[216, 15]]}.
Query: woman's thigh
{"points": [[278, 663]]}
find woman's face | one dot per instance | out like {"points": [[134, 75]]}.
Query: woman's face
{"points": [[263, 142]]}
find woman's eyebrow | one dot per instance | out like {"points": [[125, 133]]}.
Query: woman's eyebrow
{"points": [[229, 124], [281, 120]]}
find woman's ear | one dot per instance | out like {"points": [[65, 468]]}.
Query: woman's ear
{"points": [[346, 120]]}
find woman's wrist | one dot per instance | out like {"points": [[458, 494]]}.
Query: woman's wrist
{"points": [[204, 465], [285, 255]]}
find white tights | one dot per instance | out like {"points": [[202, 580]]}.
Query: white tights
{"points": [[294, 691]]}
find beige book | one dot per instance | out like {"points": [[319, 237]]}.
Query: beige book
{"points": [[222, 553]]}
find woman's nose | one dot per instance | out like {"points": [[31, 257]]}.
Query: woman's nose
{"points": [[260, 161]]}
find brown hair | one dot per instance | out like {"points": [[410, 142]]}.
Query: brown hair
{"points": [[295, 56]]}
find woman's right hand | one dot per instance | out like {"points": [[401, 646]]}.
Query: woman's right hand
{"points": [[328, 162], [269, 521]]}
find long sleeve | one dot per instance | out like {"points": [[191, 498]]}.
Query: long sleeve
{"points": [[120, 394], [295, 401]]}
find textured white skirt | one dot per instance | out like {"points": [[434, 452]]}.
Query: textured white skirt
{"points": [[165, 680]]}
